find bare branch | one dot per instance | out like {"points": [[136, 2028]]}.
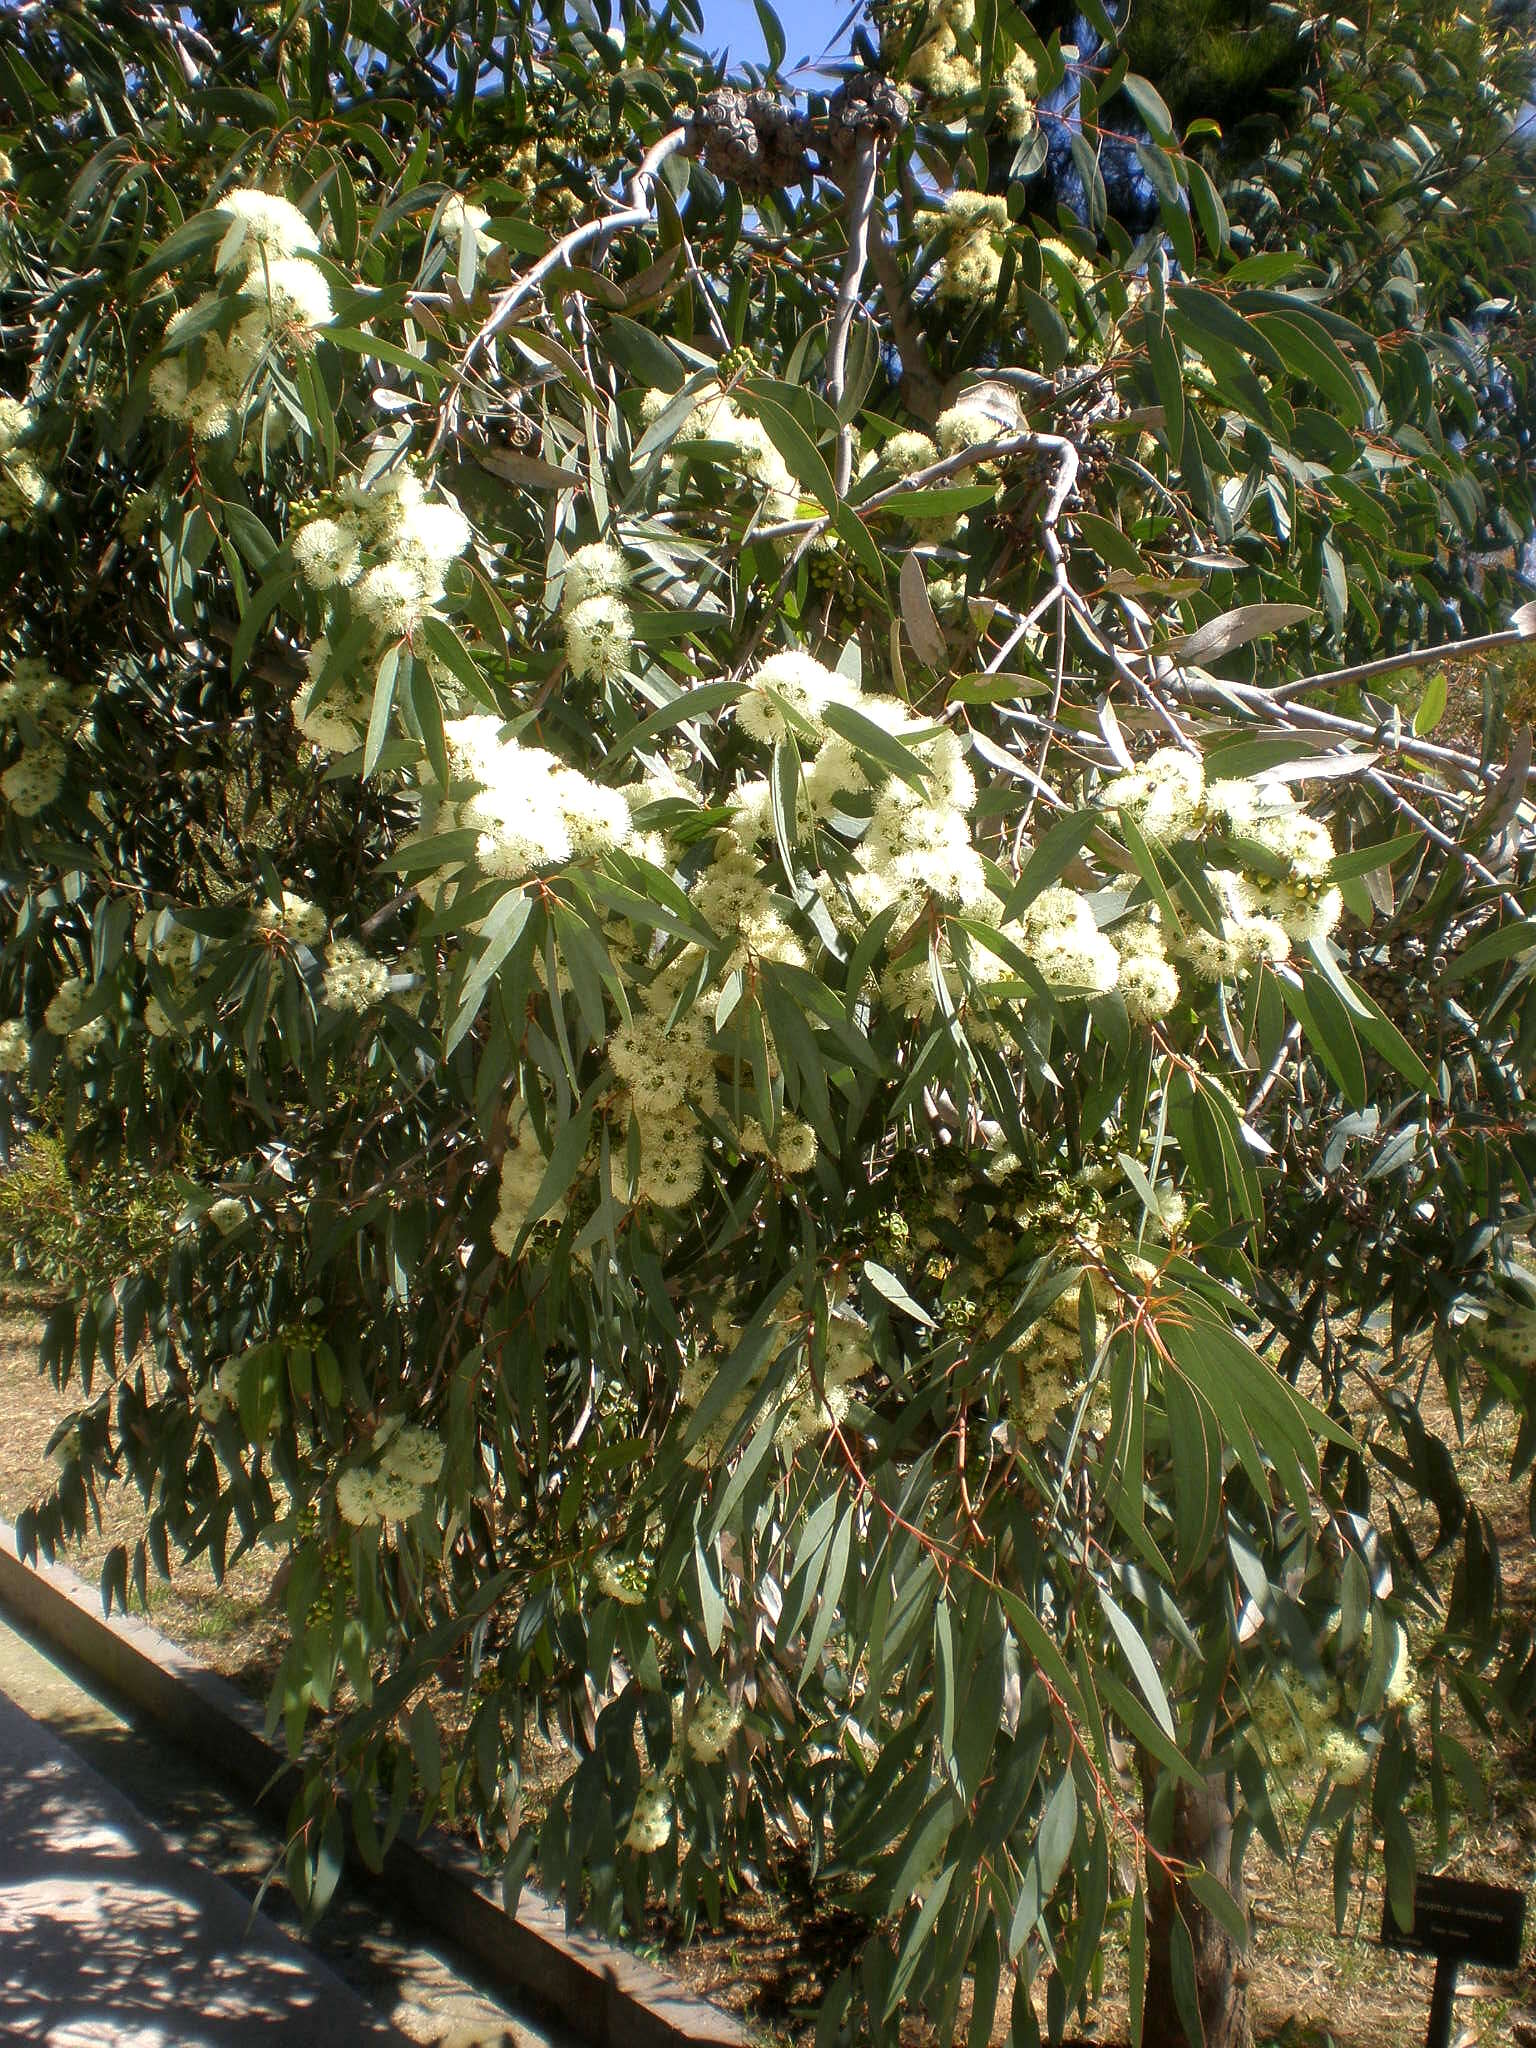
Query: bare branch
{"points": [[921, 391], [1418, 657], [1443, 840], [1388, 736], [1277, 1066], [861, 202], [635, 214]]}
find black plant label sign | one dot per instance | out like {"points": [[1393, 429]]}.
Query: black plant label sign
{"points": [[1461, 1920]]}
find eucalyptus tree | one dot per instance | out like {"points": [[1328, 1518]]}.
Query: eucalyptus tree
{"points": [[726, 986]]}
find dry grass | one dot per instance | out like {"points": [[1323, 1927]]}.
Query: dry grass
{"points": [[230, 1625]]}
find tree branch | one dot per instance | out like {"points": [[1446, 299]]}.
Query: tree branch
{"points": [[1418, 657], [921, 392], [1254, 700], [861, 203], [1444, 841], [636, 213]]}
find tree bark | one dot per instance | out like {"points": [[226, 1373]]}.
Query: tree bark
{"points": [[1201, 1836]]}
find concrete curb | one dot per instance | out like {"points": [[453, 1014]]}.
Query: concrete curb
{"points": [[610, 1998]]}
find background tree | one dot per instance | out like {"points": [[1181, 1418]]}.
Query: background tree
{"points": [[702, 890]]}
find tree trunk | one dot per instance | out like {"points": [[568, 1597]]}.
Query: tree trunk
{"points": [[1201, 1835]]}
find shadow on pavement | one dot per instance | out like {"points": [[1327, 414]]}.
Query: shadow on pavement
{"points": [[106, 1937]]}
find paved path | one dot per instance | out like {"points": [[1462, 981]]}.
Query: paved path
{"points": [[106, 1937], [150, 1865]]}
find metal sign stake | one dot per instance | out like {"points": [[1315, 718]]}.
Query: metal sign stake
{"points": [[1442, 2004]]}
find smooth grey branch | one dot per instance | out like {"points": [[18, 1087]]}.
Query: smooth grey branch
{"points": [[1418, 657], [861, 203], [1444, 841], [636, 213]]}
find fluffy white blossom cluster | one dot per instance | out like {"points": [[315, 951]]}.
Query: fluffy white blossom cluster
{"points": [[187, 957], [599, 628], [1058, 937], [65, 1018], [805, 1406], [650, 1825], [24, 488], [981, 1285], [354, 979], [409, 1450], [527, 809], [1247, 935], [328, 552], [907, 453], [976, 418], [1305, 1726], [84, 1039], [179, 952], [1402, 1686], [741, 441], [711, 1726], [807, 1412], [15, 1046], [35, 778], [1060, 934], [418, 539], [797, 682], [946, 63], [663, 1072], [31, 691], [45, 708], [1165, 796], [68, 1004], [1299, 1730], [792, 1147], [1052, 1357], [226, 1215], [973, 262], [263, 227], [364, 1497], [1278, 891], [1072, 260], [382, 557], [293, 303], [523, 1166], [389, 543], [331, 710], [296, 918], [916, 850], [393, 1487], [280, 303], [209, 403], [1148, 981]]}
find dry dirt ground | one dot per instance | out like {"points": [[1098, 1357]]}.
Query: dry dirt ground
{"points": [[230, 1626], [1310, 1987]]}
